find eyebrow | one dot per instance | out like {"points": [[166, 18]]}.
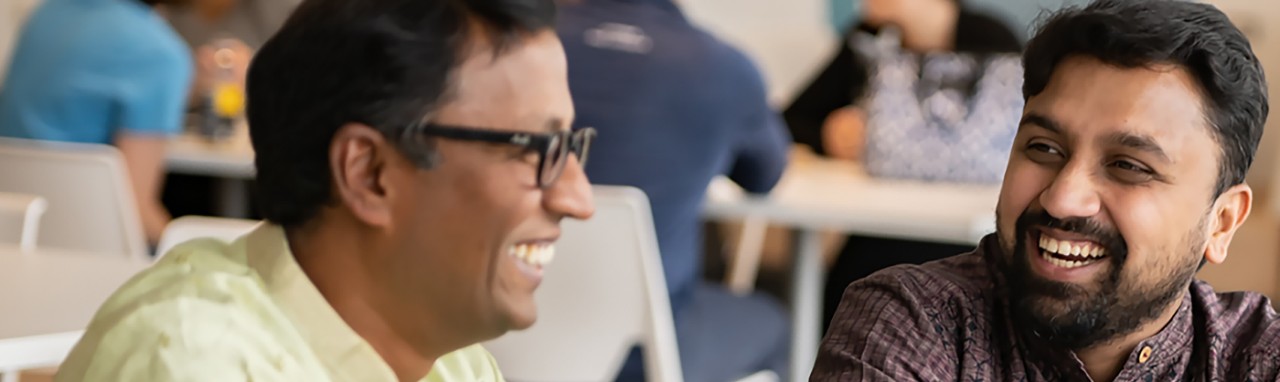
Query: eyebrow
{"points": [[1144, 143], [1033, 119], [1140, 142]]}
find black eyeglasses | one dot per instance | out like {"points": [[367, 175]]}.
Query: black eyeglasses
{"points": [[553, 148]]}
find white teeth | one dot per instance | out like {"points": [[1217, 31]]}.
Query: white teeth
{"points": [[1064, 263], [536, 255], [1067, 248], [1087, 250]]}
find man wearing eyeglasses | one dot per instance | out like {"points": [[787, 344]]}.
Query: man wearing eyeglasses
{"points": [[414, 161]]}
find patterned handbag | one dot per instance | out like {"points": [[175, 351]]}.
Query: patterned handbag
{"points": [[947, 117]]}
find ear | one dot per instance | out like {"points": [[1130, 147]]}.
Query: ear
{"points": [[359, 156], [1229, 213]]}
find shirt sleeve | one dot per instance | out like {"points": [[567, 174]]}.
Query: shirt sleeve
{"points": [[762, 148], [884, 331], [153, 94]]}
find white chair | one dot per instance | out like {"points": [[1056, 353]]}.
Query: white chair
{"points": [[91, 202], [190, 227], [604, 293], [20, 219]]}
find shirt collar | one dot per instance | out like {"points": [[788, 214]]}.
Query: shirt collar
{"points": [[346, 355], [1166, 352]]}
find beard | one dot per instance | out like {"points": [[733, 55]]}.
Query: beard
{"points": [[1077, 316]]}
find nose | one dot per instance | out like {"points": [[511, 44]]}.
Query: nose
{"points": [[570, 195], [1073, 193]]}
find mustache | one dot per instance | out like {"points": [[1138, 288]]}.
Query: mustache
{"points": [[1108, 237]]}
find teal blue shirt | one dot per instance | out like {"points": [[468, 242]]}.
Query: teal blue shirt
{"points": [[85, 70]]}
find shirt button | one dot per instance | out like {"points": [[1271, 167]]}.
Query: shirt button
{"points": [[1144, 355]]}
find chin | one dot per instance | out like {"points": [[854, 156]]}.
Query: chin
{"points": [[522, 317], [522, 323]]}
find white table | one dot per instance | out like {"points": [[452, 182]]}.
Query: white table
{"points": [[229, 161], [191, 154], [817, 195], [48, 298]]}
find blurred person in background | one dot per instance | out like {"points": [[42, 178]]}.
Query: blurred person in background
{"points": [[251, 22], [107, 72], [414, 161], [241, 28], [921, 89], [223, 50], [1127, 175], [677, 107]]}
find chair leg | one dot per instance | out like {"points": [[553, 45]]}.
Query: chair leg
{"points": [[745, 264]]}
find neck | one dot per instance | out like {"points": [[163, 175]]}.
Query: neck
{"points": [[326, 252], [1104, 361]]}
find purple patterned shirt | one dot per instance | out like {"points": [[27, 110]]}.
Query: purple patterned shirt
{"points": [[949, 321]]}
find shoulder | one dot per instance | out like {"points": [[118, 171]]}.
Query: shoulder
{"points": [[195, 313], [964, 276], [472, 363], [939, 293], [145, 41], [907, 321], [711, 58], [738, 60], [1242, 328]]}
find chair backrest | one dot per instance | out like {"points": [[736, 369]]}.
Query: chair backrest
{"points": [[91, 202], [190, 227], [604, 293], [20, 219]]}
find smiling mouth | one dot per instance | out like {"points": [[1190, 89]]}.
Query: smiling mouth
{"points": [[1070, 254], [535, 255]]}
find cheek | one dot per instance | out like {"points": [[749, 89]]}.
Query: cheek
{"points": [[1155, 233], [495, 203], [1024, 181], [455, 216], [472, 206]]}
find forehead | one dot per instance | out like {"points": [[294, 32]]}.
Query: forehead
{"points": [[1088, 98], [525, 87]]}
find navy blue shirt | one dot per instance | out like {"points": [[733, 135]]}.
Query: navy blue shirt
{"points": [[675, 107]]}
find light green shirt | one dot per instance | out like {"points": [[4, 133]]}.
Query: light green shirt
{"points": [[244, 311]]}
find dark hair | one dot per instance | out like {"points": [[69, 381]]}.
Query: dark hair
{"points": [[1197, 37], [384, 63]]}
